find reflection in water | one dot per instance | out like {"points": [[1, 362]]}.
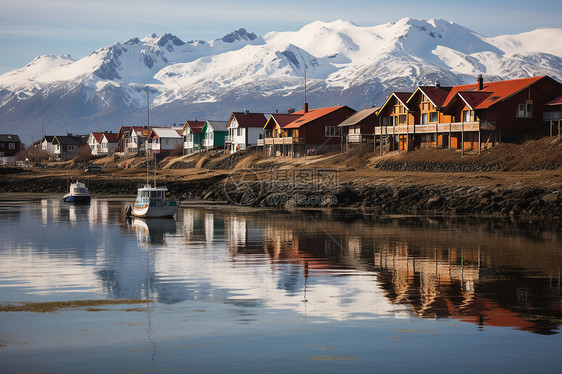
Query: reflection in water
{"points": [[152, 230], [326, 267]]}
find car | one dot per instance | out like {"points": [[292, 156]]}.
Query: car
{"points": [[92, 169]]}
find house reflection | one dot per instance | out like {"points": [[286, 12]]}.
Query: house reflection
{"points": [[481, 274]]}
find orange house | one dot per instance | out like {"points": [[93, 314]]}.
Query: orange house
{"points": [[395, 116], [472, 116]]}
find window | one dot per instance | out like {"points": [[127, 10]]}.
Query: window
{"points": [[332, 131], [402, 119], [433, 117], [525, 110], [395, 121], [386, 121], [467, 115], [424, 119], [12, 146]]}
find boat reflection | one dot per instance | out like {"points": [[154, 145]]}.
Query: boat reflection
{"points": [[152, 230]]}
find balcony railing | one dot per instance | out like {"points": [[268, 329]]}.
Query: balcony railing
{"points": [[435, 128], [285, 140], [552, 116]]}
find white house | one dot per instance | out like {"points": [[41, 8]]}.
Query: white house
{"points": [[94, 141], [47, 145], [192, 136], [244, 130], [165, 139], [109, 143]]}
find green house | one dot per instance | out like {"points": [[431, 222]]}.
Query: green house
{"points": [[214, 134]]}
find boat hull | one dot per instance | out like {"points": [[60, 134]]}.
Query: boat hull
{"points": [[153, 211], [76, 199]]}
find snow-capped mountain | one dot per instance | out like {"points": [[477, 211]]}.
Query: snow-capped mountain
{"points": [[345, 64]]}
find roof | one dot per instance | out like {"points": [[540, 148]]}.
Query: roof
{"points": [[194, 126], [359, 116], [218, 125], [437, 95], [247, 119], [70, 139], [311, 115], [402, 97], [97, 136], [48, 138], [9, 138], [499, 91], [557, 101], [111, 137], [164, 132], [282, 119]]}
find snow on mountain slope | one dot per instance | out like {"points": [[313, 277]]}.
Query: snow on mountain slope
{"points": [[345, 64]]}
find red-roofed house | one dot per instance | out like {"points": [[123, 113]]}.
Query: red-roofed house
{"points": [[94, 142], [277, 142], [244, 130], [394, 117], [316, 130], [132, 139], [469, 116], [109, 143], [192, 136]]}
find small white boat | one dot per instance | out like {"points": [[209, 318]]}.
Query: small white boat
{"points": [[78, 194], [151, 202]]}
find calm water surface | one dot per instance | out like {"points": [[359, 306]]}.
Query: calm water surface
{"points": [[273, 292]]}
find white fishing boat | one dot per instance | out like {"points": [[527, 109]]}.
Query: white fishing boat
{"points": [[151, 202], [78, 194]]}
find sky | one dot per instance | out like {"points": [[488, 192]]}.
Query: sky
{"points": [[30, 28]]}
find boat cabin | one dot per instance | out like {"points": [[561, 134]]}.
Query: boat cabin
{"points": [[148, 193]]}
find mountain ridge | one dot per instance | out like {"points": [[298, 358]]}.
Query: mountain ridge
{"points": [[345, 64]]}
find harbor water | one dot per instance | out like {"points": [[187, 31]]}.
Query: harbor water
{"points": [[84, 289]]}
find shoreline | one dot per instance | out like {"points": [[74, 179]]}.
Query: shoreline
{"points": [[408, 194]]}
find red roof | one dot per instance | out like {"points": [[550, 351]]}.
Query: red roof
{"points": [[498, 91], [246, 119], [557, 101], [282, 119], [97, 136], [437, 95], [111, 137], [311, 115], [402, 97], [195, 126]]}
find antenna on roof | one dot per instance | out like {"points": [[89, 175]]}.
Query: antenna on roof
{"points": [[305, 107]]}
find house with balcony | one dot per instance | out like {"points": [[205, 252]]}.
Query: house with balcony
{"points": [[132, 139], [10, 145], [165, 139], [394, 118], [466, 117], [244, 130], [277, 141], [315, 130], [359, 129], [214, 134], [192, 136], [553, 116]]}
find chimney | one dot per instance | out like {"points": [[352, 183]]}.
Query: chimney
{"points": [[480, 82], [305, 107], [246, 111], [437, 84], [291, 110]]}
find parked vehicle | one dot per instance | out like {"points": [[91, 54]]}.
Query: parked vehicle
{"points": [[92, 169]]}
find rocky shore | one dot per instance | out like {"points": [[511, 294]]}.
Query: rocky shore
{"points": [[433, 199]]}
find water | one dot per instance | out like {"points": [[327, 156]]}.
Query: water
{"points": [[270, 292]]}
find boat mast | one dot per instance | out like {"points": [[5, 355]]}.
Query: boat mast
{"points": [[147, 126]]}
